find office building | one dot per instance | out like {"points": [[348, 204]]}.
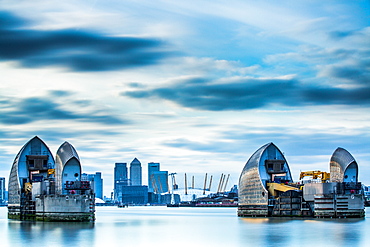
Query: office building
{"points": [[120, 179], [133, 194], [96, 182], [120, 172], [135, 173]]}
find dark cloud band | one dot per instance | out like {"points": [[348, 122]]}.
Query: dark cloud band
{"points": [[75, 50], [32, 109], [252, 93]]}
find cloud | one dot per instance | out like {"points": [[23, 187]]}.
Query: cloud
{"points": [[358, 73], [201, 93], [293, 141], [217, 147], [77, 50], [8, 20], [337, 35], [346, 60], [17, 111], [244, 94]]}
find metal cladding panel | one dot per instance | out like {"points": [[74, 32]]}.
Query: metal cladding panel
{"points": [[339, 162], [13, 186], [312, 189], [65, 153], [271, 154], [252, 190]]}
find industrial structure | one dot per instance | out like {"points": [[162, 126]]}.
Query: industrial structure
{"points": [[189, 196], [41, 188], [266, 187]]}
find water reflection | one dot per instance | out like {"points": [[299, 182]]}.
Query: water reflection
{"points": [[275, 220], [304, 232], [161, 226], [46, 233]]}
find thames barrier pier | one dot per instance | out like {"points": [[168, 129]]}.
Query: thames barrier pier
{"points": [[44, 189], [266, 188]]}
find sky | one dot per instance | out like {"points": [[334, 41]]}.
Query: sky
{"points": [[197, 86]]}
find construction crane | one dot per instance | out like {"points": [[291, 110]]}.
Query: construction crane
{"points": [[324, 176]]}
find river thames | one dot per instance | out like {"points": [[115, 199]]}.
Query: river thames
{"points": [[162, 226]]}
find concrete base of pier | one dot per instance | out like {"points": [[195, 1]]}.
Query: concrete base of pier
{"points": [[79, 208]]}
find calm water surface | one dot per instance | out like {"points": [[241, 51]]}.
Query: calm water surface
{"points": [[162, 226]]}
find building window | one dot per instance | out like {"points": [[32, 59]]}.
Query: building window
{"points": [[31, 163], [270, 166]]}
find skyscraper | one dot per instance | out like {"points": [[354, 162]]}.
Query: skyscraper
{"points": [[98, 185], [120, 179], [120, 172], [152, 167], [135, 173]]}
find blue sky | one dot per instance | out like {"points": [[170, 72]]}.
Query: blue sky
{"points": [[197, 86]]}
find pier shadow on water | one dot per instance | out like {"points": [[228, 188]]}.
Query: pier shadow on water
{"points": [[303, 232], [50, 233]]}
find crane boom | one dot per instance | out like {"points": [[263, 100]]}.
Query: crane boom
{"points": [[324, 176]]}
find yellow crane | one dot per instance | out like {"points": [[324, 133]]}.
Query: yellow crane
{"points": [[324, 176]]}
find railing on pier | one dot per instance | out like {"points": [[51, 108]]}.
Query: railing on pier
{"points": [[77, 185]]}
